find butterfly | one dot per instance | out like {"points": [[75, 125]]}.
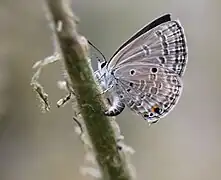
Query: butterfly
{"points": [[145, 72]]}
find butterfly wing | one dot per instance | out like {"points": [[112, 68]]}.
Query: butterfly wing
{"points": [[164, 45], [153, 24], [148, 89]]}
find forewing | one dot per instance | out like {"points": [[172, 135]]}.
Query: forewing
{"points": [[151, 91], [151, 25], [164, 45]]}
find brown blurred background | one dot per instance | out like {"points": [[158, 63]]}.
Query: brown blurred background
{"points": [[184, 145]]}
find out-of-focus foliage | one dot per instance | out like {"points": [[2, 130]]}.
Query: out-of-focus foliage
{"points": [[184, 145]]}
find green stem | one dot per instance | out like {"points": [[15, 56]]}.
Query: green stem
{"points": [[74, 50]]}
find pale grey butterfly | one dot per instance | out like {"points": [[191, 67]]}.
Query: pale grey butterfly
{"points": [[145, 73]]}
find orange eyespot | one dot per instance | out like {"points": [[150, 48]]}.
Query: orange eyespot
{"points": [[155, 109]]}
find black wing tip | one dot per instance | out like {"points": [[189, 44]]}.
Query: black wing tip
{"points": [[167, 16], [162, 19], [156, 22]]}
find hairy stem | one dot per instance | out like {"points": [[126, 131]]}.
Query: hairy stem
{"points": [[74, 50]]}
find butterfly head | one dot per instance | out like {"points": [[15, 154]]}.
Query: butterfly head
{"points": [[101, 65], [104, 77]]}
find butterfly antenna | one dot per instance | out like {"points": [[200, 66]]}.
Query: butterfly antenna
{"points": [[89, 42]]}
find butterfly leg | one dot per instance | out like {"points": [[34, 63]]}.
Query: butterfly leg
{"points": [[116, 108], [65, 85]]}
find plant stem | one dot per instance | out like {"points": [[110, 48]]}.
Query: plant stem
{"points": [[74, 50]]}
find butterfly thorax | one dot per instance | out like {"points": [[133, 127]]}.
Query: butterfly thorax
{"points": [[105, 78]]}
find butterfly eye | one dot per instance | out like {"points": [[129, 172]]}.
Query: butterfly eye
{"points": [[103, 64]]}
